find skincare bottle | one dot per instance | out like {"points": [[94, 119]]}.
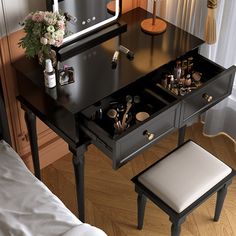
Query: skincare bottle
{"points": [[177, 70], [188, 80], [49, 74], [172, 81]]}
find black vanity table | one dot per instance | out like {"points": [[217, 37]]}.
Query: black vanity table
{"points": [[70, 110]]}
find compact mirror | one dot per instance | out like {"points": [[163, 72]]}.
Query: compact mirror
{"points": [[85, 16]]}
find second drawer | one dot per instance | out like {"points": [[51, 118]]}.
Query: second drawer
{"points": [[121, 147]]}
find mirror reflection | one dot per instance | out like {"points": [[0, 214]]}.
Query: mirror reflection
{"points": [[84, 16]]}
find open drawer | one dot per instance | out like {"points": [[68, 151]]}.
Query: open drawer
{"points": [[214, 84], [158, 111]]}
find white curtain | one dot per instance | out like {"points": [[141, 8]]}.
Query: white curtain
{"points": [[190, 15]]}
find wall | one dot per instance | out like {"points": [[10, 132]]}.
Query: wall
{"points": [[15, 11]]}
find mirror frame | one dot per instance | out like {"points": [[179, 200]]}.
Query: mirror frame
{"points": [[54, 6]]}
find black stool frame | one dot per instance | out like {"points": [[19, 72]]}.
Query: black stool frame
{"points": [[178, 218]]}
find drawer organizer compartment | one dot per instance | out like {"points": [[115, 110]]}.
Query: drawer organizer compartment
{"points": [[129, 120], [188, 74], [202, 84]]}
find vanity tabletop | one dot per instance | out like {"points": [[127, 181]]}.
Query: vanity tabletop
{"points": [[94, 77]]}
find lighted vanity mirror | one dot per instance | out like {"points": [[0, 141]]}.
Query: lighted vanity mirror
{"points": [[85, 16]]}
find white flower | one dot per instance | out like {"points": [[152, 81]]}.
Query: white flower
{"points": [[44, 41], [50, 28], [60, 32], [51, 41]]}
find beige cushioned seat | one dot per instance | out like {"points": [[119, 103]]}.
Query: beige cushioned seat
{"points": [[184, 176]]}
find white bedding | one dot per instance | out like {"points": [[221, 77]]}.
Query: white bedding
{"points": [[28, 207]]}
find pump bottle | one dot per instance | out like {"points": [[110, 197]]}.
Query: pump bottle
{"points": [[49, 74]]}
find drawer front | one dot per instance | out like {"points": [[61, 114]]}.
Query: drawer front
{"points": [[207, 96], [144, 136], [122, 149]]}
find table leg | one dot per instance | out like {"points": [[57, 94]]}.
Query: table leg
{"points": [[30, 120], [78, 163], [181, 135]]}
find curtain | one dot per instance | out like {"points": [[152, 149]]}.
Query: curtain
{"points": [[190, 15], [222, 117]]}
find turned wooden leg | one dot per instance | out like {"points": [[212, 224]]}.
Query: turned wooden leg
{"points": [[181, 135], [221, 194], [30, 121], [141, 209], [78, 163]]}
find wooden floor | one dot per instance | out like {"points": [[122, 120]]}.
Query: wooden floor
{"points": [[111, 200]]}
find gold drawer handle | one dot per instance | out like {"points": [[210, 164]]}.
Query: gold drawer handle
{"points": [[207, 97], [149, 135]]}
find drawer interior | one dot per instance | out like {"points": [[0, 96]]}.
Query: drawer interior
{"points": [[200, 71], [208, 68], [146, 101]]}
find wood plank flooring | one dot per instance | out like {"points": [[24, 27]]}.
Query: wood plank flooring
{"points": [[111, 199]]}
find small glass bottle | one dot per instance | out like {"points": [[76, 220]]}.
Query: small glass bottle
{"points": [[172, 81], [190, 64], [164, 81], [184, 68], [49, 75], [188, 80], [177, 70]]}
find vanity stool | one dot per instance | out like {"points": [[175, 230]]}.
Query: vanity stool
{"points": [[181, 181]]}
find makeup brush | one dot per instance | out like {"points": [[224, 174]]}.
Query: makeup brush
{"points": [[210, 27]]}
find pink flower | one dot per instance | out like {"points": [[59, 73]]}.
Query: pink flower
{"points": [[29, 16], [38, 16], [58, 42], [61, 25]]}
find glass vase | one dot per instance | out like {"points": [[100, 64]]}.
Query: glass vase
{"points": [[42, 56]]}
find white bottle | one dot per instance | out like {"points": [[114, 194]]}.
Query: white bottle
{"points": [[49, 74]]}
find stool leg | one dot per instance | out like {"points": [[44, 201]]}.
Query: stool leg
{"points": [[221, 194], [141, 209], [176, 225], [175, 229]]}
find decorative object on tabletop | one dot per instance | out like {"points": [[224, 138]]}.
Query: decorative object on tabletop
{"points": [[111, 7], [43, 30], [66, 75], [49, 74], [153, 25], [210, 28]]}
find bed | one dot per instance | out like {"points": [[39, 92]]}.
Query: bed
{"points": [[27, 206]]}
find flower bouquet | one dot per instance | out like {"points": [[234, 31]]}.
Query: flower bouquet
{"points": [[43, 30]]}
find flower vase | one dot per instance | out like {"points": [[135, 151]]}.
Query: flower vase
{"points": [[42, 56]]}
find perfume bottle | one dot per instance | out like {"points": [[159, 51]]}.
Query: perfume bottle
{"points": [[49, 75], [184, 68], [177, 70]]}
